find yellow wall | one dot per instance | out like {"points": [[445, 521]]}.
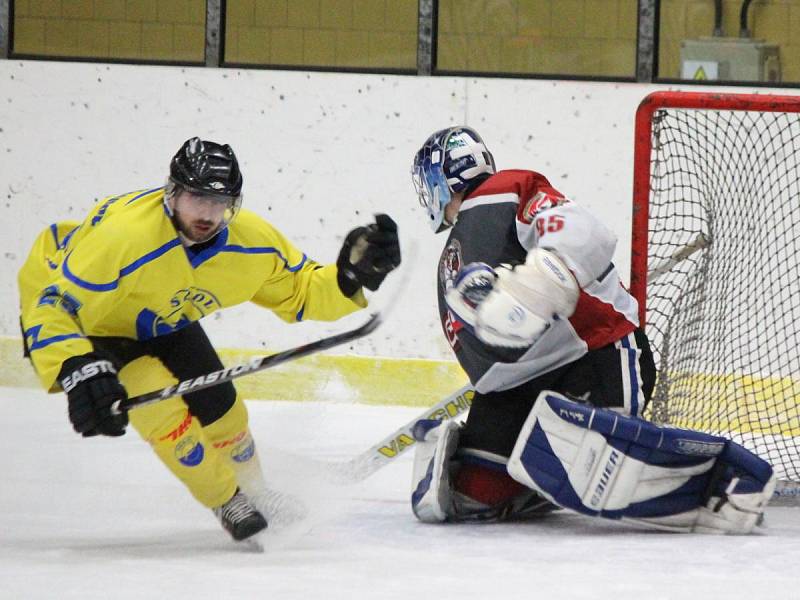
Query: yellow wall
{"points": [[571, 37], [322, 33], [125, 29], [775, 21]]}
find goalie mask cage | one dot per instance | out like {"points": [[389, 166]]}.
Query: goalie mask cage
{"points": [[715, 265]]}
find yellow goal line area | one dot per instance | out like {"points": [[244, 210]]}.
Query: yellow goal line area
{"points": [[763, 405], [321, 377]]}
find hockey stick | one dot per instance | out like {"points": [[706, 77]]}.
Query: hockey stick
{"points": [[698, 243], [256, 364], [393, 445]]}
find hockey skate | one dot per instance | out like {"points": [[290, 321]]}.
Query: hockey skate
{"points": [[240, 518]]}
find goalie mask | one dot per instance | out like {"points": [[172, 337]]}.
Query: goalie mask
{"points": [[451, 161], [204, 190]]}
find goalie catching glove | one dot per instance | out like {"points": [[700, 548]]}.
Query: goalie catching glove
{"points": [[513, 307], [91, 384], [368, 255]]}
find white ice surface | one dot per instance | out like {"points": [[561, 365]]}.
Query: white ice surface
{"points": [[101, 518]]}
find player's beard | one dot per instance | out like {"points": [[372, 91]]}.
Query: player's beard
{"points": [[198, 230]]}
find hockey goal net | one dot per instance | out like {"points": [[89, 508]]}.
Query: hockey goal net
{"points": [[715, 265]]}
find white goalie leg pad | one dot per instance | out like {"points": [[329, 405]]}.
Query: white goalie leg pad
{"points": [[602, 464], [741, 494], [431, 491]]}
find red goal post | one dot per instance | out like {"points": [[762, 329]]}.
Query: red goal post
{"points": [[715, 264], [641, 160]]}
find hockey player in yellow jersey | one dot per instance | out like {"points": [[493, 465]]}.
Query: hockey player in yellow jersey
{"points": [[111, 307]]}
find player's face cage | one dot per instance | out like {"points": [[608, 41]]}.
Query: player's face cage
{"points": [[202, 199], [229, 204], [430, 184]]}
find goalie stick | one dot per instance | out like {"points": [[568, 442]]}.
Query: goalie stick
{"points": [[393, 445]]}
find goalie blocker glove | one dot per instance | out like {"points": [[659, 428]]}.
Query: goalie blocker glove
{"points": [[513, 307], [368, 255], [92, 387]]}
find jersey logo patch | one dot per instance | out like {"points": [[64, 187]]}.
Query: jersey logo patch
{"points": [[185, 306], [244, 452], [541, 201], [450, 264], [451, 328], [189, 452]]}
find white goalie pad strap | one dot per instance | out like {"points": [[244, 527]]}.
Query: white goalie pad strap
{"points": [[598, 463], [431, 494], [739, 513]]}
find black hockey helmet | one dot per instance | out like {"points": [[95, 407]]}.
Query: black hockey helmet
{"points": [[206, 167]]}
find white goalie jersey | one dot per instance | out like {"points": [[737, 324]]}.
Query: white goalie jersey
{"points": [[508, 215]]}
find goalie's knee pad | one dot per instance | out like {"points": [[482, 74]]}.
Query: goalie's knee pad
{"points": [[452, 484], [603, 464], [484, 491]]}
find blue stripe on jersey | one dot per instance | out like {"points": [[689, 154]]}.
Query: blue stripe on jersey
{"points": [[60, 245], [144, 193], [299, 316], [626, 343], [37, 344], [198, 258], [267, 250], [67, 238], [107, 287]]}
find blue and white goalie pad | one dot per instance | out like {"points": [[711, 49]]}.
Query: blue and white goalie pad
{"points": [[431, 496], [602, 464]]}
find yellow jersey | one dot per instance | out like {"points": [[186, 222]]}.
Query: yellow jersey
{"points": [[124, 272]]}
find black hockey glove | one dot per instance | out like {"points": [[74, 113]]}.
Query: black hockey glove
{"points": [[92, 387], [368, 255]]}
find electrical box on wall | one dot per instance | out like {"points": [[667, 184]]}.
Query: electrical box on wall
{"points": [[730, 59]]}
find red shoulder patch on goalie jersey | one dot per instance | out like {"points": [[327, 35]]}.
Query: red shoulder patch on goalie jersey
{"points": [[533, 190], [542, 200]]}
